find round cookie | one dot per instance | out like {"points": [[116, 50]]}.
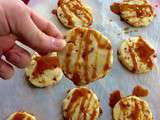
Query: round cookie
{"points": [[21, 116], [44, 71], [74, 13], [132, 108], [137, 55], [136, 13], [81, 103], [87, 56]]}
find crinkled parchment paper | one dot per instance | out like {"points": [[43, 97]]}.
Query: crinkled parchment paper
{"points": [[17, 94]]}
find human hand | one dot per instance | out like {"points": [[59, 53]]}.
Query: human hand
{"points": [[19, 22]]}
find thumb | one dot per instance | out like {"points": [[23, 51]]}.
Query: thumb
{"points": [[29, 34]]}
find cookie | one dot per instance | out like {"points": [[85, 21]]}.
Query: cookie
{"points": [[137, 55], [74, 13], [87, 56], [81, 103], [132, 108], [21, 116], [136, 13], [44, 71]]}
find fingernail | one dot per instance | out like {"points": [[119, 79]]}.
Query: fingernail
{"points": [[59, 43]]}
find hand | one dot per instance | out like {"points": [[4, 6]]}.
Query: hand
{"points": [[19, 22]]}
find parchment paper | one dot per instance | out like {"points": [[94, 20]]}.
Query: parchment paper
{"points": [[18, 95]]}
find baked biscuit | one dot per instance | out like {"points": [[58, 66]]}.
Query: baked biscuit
{"points": [[81, 103], [74, 13], [132, 108], [136, 13], [137, 55], [21, 116], [44, 70], [87, 56]]}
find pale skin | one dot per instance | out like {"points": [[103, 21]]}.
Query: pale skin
{"points": [[20, 23]]}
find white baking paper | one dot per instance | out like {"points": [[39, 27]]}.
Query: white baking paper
{"points": [[45, 104]]}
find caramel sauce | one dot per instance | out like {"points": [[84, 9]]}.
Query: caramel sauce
{"points": [[68, 56], [28, 118], [135, 114], [140, 91], [86, 53], [80, 8], [60, 2], [114, 98], [54, 12], [77, 95], [135, 68], [94, 74], [93, 115], [76, 77], [85, 12], [115, 7], [107, 66], [144, 52], [138, 8], [44, 63], [69, 18], [106, 46], [86, 41], [19, 116]]}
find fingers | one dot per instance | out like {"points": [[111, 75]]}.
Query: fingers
{"points": [[36, 39], [46, 26], [6, 42], [6, 70], [18, 56]]}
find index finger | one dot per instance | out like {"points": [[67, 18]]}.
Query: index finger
{"points": [[45, 26]]}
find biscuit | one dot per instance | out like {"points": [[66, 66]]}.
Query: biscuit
{"points": [[137, 55], [81, 103], [44, 71], [87, 56], [21, 116], [132, 108], [74, 13], [136, 13]]}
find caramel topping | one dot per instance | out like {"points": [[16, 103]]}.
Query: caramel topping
{"points": [[85, 54], [140, 91], [140, 9], [114, 98], [19, 116], [81, 44], [54, 12], [77, 95], [44, 63], [135, 67], [144, 52]]}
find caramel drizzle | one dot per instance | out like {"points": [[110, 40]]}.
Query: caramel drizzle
{"points": [[76, 76], [85, 37], [94, 74], [69, 18], [19, 116], [69, 51], [86, 53], [144, 52], [104, 46], [81, 8], [107, 66], [133, 57], [73, 10], [81, 93], [138, 8]]}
